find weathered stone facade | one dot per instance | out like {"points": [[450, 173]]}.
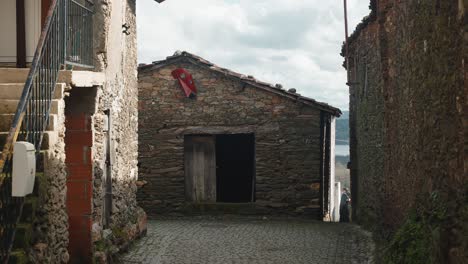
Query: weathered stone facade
{"points": [[408, 122], [50, 226], [61, 235], [116, 56], [366, 147], [286, 128]]}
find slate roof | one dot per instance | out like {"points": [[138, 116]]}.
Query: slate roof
{"points": [[250, 80]]}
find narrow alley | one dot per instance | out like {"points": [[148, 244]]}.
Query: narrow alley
{"points": [[233, 131], [250, 240]]}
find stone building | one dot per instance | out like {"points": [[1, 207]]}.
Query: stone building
{"points": [[84, 93], [408, 126], [232, 140]]}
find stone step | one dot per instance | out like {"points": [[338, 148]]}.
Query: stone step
{"points": [[75, 78], [8, 106], [7, 119], [14, 90], [15, 75], [18, 257], [49, 138]]}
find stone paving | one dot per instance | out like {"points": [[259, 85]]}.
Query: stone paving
{"points": [[250, 241]]}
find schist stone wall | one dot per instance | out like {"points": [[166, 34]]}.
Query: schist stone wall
{"points": [[287, 138], [408, 124], [366, 126]]}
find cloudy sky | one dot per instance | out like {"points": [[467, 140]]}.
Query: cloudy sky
{"points": [[292, 42]]}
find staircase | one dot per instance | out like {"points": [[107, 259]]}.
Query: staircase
{"points": [[31, 100], [11, 86]]}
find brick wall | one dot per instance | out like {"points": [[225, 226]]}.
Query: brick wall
{"points": [[287, 135], [79, 141], [408, 136]]}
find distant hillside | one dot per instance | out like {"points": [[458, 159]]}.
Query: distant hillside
{"points": [[345, 115], [342, 129]]}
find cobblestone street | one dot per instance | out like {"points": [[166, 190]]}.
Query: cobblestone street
{"points": [[236, 241]]}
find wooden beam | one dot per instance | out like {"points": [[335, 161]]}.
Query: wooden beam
{"points": [[20, 34]]}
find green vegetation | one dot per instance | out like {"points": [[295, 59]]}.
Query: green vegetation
{"points": [[411, 244], [417, 239], [119, 234], [101, 245]]}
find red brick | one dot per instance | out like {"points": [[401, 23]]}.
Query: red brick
{"points": [[80, 224], [77, 155], [79, 138], [79, 191], [79, 197], [79, 171], [77, 208], [80, 244], [78, 122]]}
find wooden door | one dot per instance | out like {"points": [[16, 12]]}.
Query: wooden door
{"points": [[200, 168]]}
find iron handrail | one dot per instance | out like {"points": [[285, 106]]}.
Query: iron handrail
{"points": [[11, 207], [19, 114], [81, 5], [32, 114], [80, 33]]}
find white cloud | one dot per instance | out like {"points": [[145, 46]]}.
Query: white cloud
{"points": [[293, 42]]}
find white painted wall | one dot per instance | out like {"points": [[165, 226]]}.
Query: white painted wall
{"points": [[334, 210], [33, 27], [116, 41], [8, 29]]}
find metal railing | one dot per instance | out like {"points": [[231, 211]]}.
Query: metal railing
{"points": [[67, 33], [80, 35]]}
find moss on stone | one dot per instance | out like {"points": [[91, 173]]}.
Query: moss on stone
{"points": [[119, 233], [416, 241], [411, 244], [101, 245]]}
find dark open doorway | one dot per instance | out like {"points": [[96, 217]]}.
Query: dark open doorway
{"points": [[235, 168], [220, 168]]}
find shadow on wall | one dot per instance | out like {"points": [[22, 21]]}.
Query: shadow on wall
{"points": [[47, 212]]}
